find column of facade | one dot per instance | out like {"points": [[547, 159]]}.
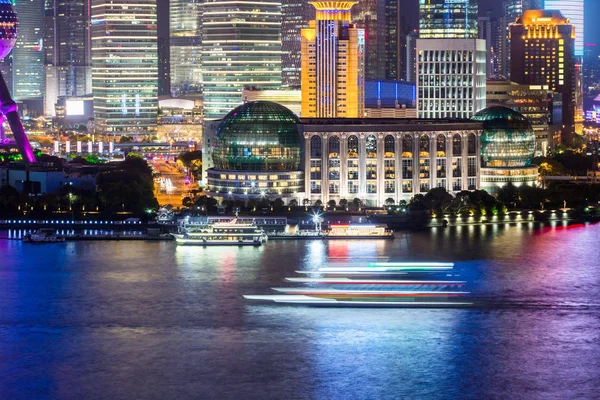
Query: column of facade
{"points": [[416, 167], [398, 172], [380, 169], [362, 166], [433, 160], [477, 159], [344, 166], [464, 160], [307, 193], [449, 136], [325, 168]]}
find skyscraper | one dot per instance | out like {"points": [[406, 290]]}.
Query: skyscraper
{"points": [[333, 63], [450, 77], [542, 45], [28, 53], [185, 47], [448, 19], [381, 21], [411, 56], [488, 28], [124, 66], [572, 9], [241, 47], [67, 51], [295, 16]]}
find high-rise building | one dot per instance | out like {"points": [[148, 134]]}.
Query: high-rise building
{"points": [[164, 47], [450, 77], [241, 47], [333, 63], [124, 66], [542, 53], [381, 21], [68, 71], [28, 53], [448, 19], [572, 9], [295, 16], [185, 47], [488, 31], [411, 56]]}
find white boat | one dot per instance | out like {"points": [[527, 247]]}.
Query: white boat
{"points": [[221, 234], [44, 235], [358, 232]]}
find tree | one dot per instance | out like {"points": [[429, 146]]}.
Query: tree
{"points": [[192, 160], [390, 202], [187, 202], [331, 204], [278, 203], [293, 203], [319, 203], [9, 200], [306, 202], [343, 203], [438, 200], [509, 195], [357, 203]]}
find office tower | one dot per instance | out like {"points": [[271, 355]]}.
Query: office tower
{"points": [[486, 30], [241, 47], [411, 56], [28, 53], [164, 47], [124, 66], [68, 71], [448, 19], [333, 63], [542, 47], [572, 9], [450, 77], [185, 47], [295, 16], [380, 20]]}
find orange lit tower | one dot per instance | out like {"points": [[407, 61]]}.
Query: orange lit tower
{"points": [[332, 63], [542, 47]]}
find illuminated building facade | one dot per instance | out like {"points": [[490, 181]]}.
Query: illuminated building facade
{"points": [[333, 63], [448, 19], [295, 16], [572, 9], [451, 76], [380, 20], [28, 53], [124, 66], [542, 53], [68, 71], [374, 160], [185, 47], [241, 47], [541, 106]]}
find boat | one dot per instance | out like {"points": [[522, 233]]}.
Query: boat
{"points": [[374, 287], [44, 235], [358, 231], [231, 233]]}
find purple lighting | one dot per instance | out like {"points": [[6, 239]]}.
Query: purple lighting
{"points": [[8, 108]]}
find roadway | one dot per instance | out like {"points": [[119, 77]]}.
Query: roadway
{"points": [[169, 186]]}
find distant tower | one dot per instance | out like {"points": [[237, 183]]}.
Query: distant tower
{"points": [[8, 108], [448, 19], [295, 16], [333, 63], [186, 46]]}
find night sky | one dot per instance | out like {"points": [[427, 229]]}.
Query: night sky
{"points": [[592, 28]]}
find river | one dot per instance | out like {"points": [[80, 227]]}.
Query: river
{"points": [[149, 320]]}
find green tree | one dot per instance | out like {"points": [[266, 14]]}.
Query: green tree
{"points": [[293, 203], [331, 204], [390, 202], [278, 203], [509, 195], [356, 203], [319, 203], [343, 203]]}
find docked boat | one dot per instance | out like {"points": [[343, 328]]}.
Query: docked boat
{"points": [[358, 231], [44, 235], [221, 234]]}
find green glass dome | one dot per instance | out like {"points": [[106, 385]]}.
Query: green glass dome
{"points": [[508, 139], [258, 136]]}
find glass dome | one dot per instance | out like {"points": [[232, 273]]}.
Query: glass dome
{"points": [[508, 139], [258, 136]]}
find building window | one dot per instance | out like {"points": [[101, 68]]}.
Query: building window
{"points": [[353, 147], [424, 146], [389, 147], [407, 169], [407, 186], [371, 146], [471, 166], [471, 183], [372, 187], [352, 187], [316, 145], [424, 186], [315, 169], [457, 184], [334, 147], [407, 146], [315, 187], [424, 171], [441, 167], [390, 187], [471, 146], [456, 167], [441, 146], [456, 145], [334, 188], [371, 169], [334, 169], [389, 169], [352, 169]]}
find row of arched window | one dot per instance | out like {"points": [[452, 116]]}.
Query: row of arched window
{"points": [[389, 146]]}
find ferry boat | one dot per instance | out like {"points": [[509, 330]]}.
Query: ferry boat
{"points": [[44, 235], [231, 233], [358, 232]]}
